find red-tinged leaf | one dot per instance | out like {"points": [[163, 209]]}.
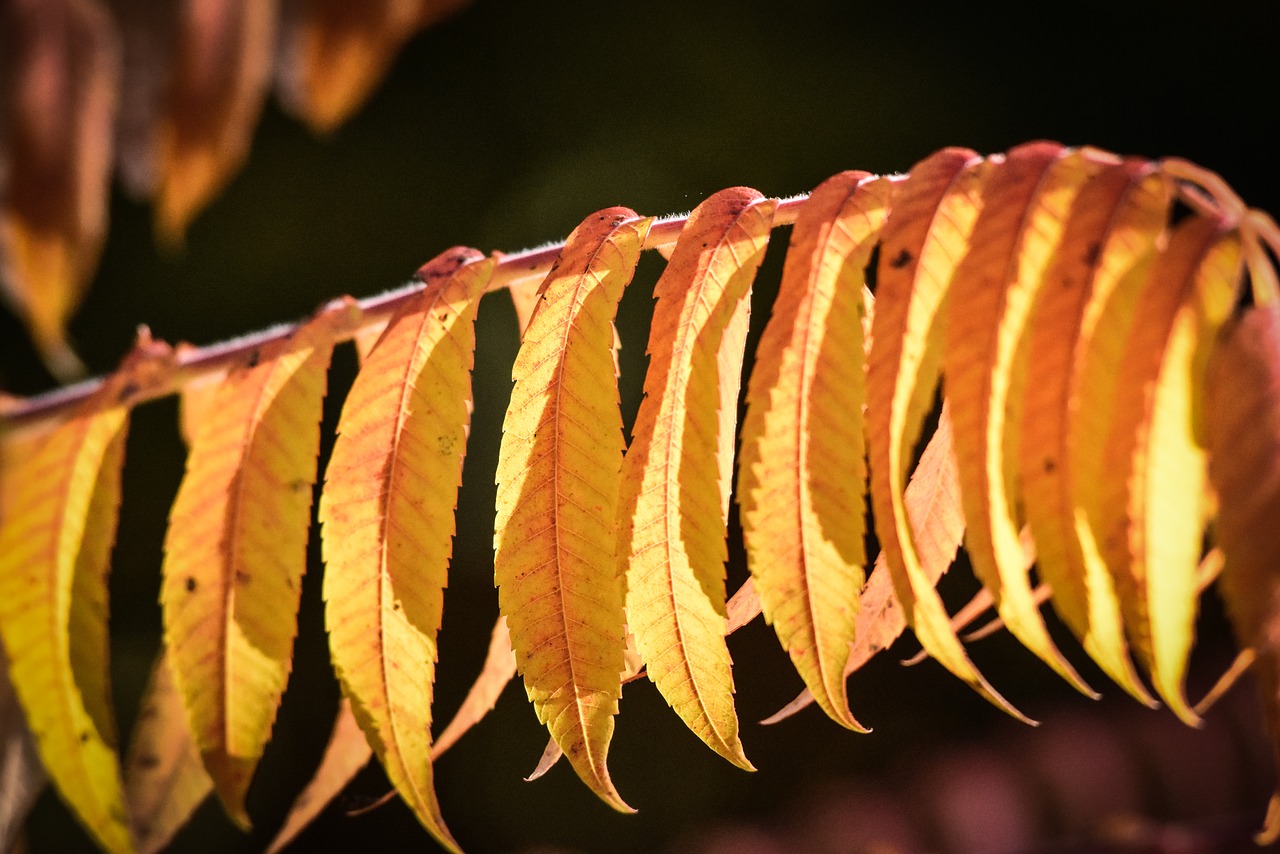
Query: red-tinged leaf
{"points": [[22, 777], [673, 511], [1153, 508], [499, 669], [60, 509], [334, 52], [557, 505], [202, 125], [927, 233], [1242, 411], [164, 776], [933, 507], [1078, 330], [388, 516], [1026, 201], [803, 467], [235, 550], [346, 753], [59, 109], [742, 607]]}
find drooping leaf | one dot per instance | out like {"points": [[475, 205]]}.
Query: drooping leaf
{"points": [[203, 123], [235, 550], [926, 234], [55, 159], [1242, 414], [1026, 200], [22, 777], [673, 510], [557, 507], [803, 467], [387, 514], [346, 753], [1077, 334], [334, 52], [164, 776], [1153, 507], [499, 669], [933, 507], [61, 501]]}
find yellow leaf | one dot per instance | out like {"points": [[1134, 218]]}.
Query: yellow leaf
{"points": [[387, 514], [203, 128], [346, 753], [1026, 200], [164, 777], [1152, 511], [803, 467], [235, 551], [1242, 413], [673, 510], [933, 507], [63, 72], [335, 52], [1077, 336], [927, 233], [61, 496], [557, 505], [499, 669]]}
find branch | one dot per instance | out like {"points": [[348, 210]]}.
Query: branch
{"points": [[514, 269]]}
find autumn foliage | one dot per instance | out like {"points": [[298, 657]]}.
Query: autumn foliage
{"points": [[1105, 333]]}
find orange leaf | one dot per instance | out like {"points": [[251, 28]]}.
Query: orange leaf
{"points": [[1152, 511], [1077, 335], [557, 505], [334, 52], [59, 111], [933, 506], [204, 124], [346, 753], [235, 550], [499, 669], [1026, 200], [673, 513], [1242, 411], [927, 232], [164, 777], [803, 469], [61, 498], [387, 511]]}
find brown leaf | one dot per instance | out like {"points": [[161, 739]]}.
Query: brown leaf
{"points": [[59, 103]]}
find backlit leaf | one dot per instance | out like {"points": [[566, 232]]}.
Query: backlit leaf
{"points": [[164, 776], [1077, 338], [61, 501], [499, 669], [346, 753], [55, 154], [388, 523], [1242, 413], [675, 487], [933, 507], [1026, 200], [803, 467], [1153, 508], [557, 505], [927, 233]]}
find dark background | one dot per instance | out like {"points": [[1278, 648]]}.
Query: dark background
{"points": [[502, 128]]}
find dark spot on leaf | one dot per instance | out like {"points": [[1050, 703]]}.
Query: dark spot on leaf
{"points": [[191, 584], [444, 315], [84, 737], [147, 761], [1092, 254], [242, 577], [298, 485], [255, 356], [395, 606], [902, 259], [1049, 465]]}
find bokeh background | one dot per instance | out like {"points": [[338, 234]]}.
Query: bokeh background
{"points": [[502, 128]]}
